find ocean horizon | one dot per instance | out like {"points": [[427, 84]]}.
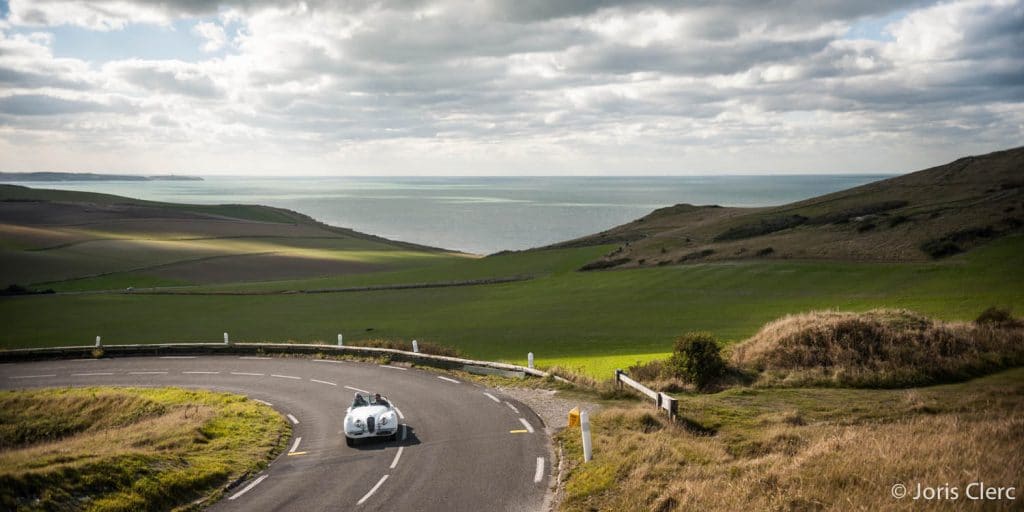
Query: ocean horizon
{"points": [[479, 215]]}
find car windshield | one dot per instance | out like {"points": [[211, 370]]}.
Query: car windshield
{"points": [[363, 399]]}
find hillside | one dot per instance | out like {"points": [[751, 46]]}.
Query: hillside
{"points": [[56, 237], [929, 214]]}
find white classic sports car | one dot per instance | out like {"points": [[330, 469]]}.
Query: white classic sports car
{"points": [[370, 416]]}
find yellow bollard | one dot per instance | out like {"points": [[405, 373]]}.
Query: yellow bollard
{"points": [[574, 417]]}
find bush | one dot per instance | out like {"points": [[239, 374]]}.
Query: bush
{"points": [[998, 317], [603, 264], [696, 358], [761, 227]]}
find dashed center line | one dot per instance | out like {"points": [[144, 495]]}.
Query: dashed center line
{"points": [[327, 361], [248, 487], [526, 424], [293, 419], [357, 389], [147, 373], [398, 455], [373, 490], [200, 373], [446, 379], [323, 382], [295, 446], [95, 374], [285, 376], [254, 357], [399, 411], [392, 367], [492, 397], [539, 473], [510, 406], [177, 357], [248, 373], [33, 376]]}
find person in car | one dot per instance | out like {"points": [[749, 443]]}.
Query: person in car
{"points": [[379, 400], [359, 401]]}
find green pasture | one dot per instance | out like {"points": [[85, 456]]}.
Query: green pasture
{"points": [[591, 321]]}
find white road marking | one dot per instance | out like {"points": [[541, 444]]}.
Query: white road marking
{"points": [[399, 411], [448, 379], [357, 389], [526, 424], [539, 473], [293, 419], [33, 376], [393, 367], [327, 361], [509, 404], [323, 382], [200, 373], [492, 397], [254, 357], [147, 373], [80, 360], [247, 373], [177, 357], [90, 374], [248, 487], [296, 445], [364, 498], [398, 455], [264, 402], [405, 432], [285, 376]]}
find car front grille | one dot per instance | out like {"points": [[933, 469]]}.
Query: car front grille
{"points": [[370, 424]]}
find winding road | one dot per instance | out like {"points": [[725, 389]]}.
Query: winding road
{"points": [[462, 447]]}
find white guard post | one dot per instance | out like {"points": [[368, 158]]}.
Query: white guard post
{"points": [[585, 429], [98, 344], [529, 360], [415, 346], [340, 342], [227, 341]]}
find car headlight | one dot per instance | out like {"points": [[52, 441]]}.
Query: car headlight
{"points": [[359, 423], [383, 420]]}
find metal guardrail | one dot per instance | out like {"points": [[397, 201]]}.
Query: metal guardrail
{"points": [[661, 400], [444, 362]]}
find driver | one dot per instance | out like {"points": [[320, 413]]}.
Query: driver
{"points": [[379, 400], [359, 401]]}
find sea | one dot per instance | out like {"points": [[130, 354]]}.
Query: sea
{"points": [[480, 215]]}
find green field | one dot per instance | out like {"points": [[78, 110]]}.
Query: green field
{"points": [[591, 321]]}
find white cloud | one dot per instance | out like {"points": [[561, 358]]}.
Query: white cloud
{"points": [[520, 87], [212, 33]]}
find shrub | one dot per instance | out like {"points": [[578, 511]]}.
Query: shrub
{"points": [[697, 255], [696, 358], [762, 227], [999, 317], [603, 264], [767, 251]]}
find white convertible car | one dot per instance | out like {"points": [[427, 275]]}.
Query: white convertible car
{"points": [[370, 416]]}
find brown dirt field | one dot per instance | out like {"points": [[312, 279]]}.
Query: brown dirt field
{"points": [[258, 267]]}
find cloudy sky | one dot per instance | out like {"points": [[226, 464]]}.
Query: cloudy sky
{"points": [[539, 87]]}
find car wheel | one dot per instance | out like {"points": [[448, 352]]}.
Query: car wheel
{"points": [[350, 442]]}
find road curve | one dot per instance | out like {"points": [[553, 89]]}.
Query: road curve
{"points": [[464, 447]]}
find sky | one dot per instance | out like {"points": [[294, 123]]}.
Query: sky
{"points": [[507, 87]]}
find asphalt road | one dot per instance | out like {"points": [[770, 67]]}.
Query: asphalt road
{"points": [[464, 447]]}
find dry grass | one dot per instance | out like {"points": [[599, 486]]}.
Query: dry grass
{"points": [[879, 348], [128, 449], [787, 449]]}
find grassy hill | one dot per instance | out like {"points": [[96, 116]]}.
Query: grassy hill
{"points": [[929, 214], [79, 240], [243, 269]]}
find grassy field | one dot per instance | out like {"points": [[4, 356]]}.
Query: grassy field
{"points": [[588, 321], [804, 449], [128, 449]]}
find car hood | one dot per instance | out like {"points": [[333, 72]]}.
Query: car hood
{"points": [[361, 413]]}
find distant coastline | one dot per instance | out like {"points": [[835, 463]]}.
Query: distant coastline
{"points": [[89, 176]]}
